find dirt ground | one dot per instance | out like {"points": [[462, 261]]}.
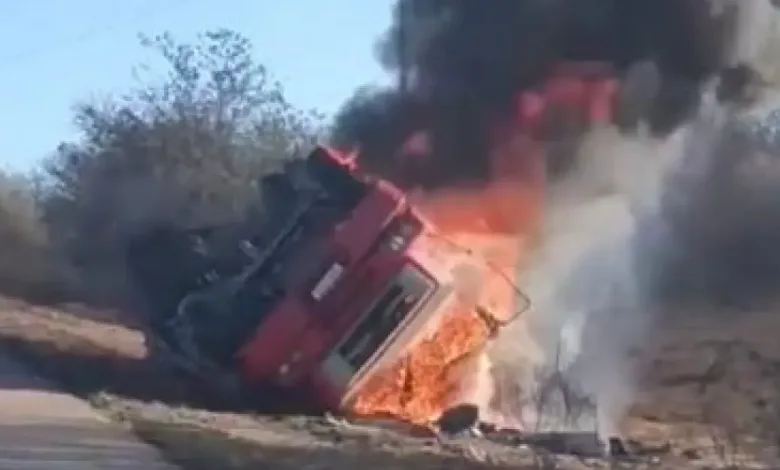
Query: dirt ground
{"points": [[709, 400]]}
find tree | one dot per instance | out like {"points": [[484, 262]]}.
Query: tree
{"points": [[187, 148]]}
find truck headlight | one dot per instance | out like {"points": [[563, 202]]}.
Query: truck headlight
{"points": [[396, 243], [401, 232]]}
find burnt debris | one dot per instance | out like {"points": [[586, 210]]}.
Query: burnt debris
{"points": [[458, 419], [615, 447]]}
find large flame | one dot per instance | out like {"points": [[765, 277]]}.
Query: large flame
{"points": [[501, 222], [498, 223]]}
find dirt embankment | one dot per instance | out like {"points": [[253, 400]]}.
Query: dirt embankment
{"points": [[698, 361]]}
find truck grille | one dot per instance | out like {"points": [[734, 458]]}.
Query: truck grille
{"points": [[396, 302]]}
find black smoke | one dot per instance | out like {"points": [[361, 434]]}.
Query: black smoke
{"points": [[465, 60]]}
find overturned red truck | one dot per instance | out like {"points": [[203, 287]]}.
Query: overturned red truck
{"points": [[347, 279], [339, 286]]}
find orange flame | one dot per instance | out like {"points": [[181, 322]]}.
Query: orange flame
{"points": [[499, 222]]}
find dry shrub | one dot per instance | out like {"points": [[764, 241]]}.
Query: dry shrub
{"points": [[28, 266]]}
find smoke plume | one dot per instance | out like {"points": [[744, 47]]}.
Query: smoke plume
{"points": [[590, 284], [463, 62], [672, 198], [643, 222]]}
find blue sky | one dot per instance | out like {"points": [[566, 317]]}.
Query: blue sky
{"points": [[54, 53]]}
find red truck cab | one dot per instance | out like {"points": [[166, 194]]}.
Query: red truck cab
{"points": [[378, 281]]}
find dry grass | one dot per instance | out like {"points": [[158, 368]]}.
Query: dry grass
{"points": [[712, 386]]}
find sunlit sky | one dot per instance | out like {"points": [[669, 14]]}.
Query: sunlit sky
{"points": [[54, 53]]}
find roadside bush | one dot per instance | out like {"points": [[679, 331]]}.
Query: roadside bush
{"points": [[184, 149], [28, 266]]}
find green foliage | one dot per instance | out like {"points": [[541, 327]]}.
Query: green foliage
{"points": [[184, 148]]}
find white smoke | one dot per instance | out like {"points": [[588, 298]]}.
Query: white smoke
{"points": [[588, 309], [591, 283], [633, 208]]}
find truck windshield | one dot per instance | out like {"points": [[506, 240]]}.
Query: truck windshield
{"points": [[389, 310]]}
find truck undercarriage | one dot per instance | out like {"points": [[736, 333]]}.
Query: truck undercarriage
{"points": [[208, 288]]}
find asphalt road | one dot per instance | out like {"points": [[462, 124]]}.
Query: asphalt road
{"points": [[42, 428]]}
